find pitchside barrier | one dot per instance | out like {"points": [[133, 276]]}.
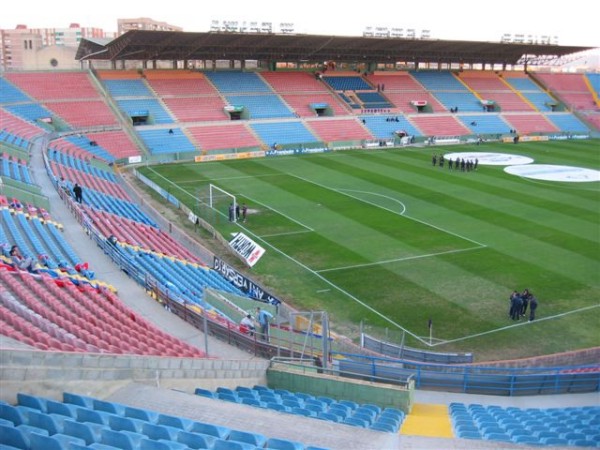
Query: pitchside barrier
{"points": [[472, 379], [403, 352], [292, 343]]}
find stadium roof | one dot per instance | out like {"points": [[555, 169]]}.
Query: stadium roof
{"points": [[173, 45]]}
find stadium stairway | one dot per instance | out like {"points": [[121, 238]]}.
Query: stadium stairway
{"points": [[428, 420]]}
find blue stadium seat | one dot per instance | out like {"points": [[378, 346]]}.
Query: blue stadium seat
{"points": [[350, 404], [141, 414], [94, 446], [118, 423], [268, 397], [327, 400], [11, 413], [469, 434], [363, 415], [260, 387], [79, 400], [315, 408], [56, 442], [283, 444], [31, 401], [44, 421], [356, 422], [149, 444], [117, 439], [253, 402], [174, 421], [584, 443], [221, 444], [211, 430], [390, 423], [6, 423], [227, 397], [89, 415], [503, 437], [366, 411], [338, 409], [109, 407], [573, 436], [204, 393], [375, 408], [157, 432], [247, 395], [14, 437], [278, 407], [329, 417], [554, 441], [245, 389], [90, 433], [383, 427], [196, 440], [303, 412], [63, 409], [247, 437], [291, 403], [282, 392]]}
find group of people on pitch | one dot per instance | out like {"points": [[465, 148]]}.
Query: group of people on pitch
{"points": [[519, 303]]}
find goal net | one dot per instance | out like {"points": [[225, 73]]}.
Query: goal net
{"points": [[216, 204]]}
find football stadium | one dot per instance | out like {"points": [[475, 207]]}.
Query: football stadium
{"points": [[244, 240]]}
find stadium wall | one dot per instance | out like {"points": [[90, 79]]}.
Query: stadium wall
{"points": [[49, 374]]}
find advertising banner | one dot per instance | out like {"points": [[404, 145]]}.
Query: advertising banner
{"points": [[246, 248], [243, 283]]}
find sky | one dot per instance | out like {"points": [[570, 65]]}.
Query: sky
{"points": [[574, 22]]}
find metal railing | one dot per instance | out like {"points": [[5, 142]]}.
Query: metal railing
{"points": [[475, 379]]}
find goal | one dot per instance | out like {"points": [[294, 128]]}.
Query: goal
{"points": [[215, 203]]}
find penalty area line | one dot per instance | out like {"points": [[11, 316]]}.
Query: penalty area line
{"points": [[408, 258], [332, 285], [306, 227], [414, 219], [520, 324]]}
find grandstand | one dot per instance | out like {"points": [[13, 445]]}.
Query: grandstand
{"points": [[126, 317]]}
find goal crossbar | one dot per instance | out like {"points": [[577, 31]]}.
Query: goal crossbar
{"points": [[215, 193]]}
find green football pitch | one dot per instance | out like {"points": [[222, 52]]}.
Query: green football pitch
{"points": [[386, 239]]}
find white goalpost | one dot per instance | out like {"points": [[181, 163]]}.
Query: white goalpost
{"points": [[223, 201]]}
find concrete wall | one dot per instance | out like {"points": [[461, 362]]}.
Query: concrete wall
{"points": [[339, 388], [49, 374]]}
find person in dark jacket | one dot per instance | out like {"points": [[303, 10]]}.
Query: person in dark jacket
{"points": [[533, 304]]}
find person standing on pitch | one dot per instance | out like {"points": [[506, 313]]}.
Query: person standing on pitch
{"points": [[533, 304]]}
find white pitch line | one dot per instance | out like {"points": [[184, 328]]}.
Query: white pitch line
{"points": [[334, 286], [171, 182], [520, 324], [377, 195], [408, 258], [280, 213], [387, 209], [288, 233], [240, 177]]}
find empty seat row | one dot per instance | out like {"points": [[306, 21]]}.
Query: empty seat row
{"points": [[575, 426], [324, 408], [86, 422]]}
